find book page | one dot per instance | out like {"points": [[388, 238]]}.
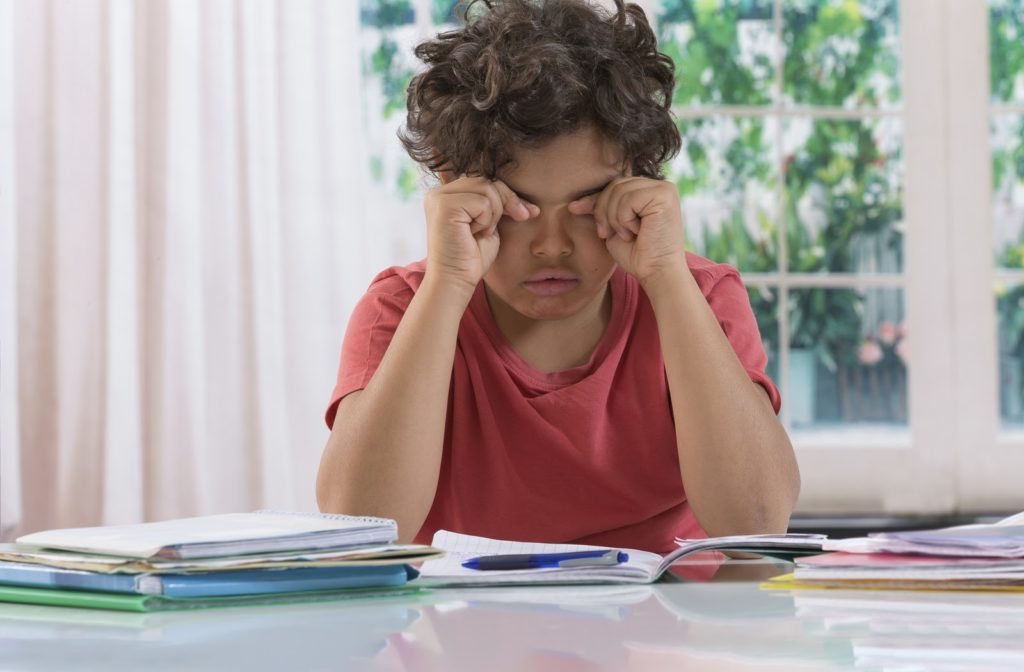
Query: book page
{"points": [[146, 539], [640, 568]]}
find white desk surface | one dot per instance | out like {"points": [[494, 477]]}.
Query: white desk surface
{"points": [[725, 624]]}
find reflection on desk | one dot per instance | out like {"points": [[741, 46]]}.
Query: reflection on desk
{"points": [[726, 623]]}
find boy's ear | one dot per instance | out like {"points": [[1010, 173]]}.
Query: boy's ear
{"points": [[446, 176]]}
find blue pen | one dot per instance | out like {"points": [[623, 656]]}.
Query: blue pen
{"points": [[598, 558]]}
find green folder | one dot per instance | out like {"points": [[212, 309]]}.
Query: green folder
{"points": [[147, 603]]}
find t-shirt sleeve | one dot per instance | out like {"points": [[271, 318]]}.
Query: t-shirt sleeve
{"points": [[367, 337], [729, 301]]}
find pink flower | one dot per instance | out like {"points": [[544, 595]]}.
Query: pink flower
{"points": [[870, 352], [887, 332], [902, 351], [901, 330]]}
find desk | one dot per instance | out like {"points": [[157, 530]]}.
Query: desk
{"points": [[726, 624]]}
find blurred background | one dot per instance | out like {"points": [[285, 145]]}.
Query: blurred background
{"points": [[194, 194]]}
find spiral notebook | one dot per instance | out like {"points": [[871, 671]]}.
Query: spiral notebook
{"points": [[228, 534]]}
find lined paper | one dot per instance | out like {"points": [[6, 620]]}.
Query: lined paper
{"points": [[642, 567]]}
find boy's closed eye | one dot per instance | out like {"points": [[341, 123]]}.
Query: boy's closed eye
{"points": [[584, 193]]}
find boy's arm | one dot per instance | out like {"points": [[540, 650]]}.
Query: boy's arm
{"points": [[383, 457], [738, 466], [384, 453]]}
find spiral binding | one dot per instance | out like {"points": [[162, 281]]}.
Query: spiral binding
{"points": [[371, 520]]}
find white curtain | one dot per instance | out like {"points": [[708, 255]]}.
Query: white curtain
{"points": [[182, 237]]}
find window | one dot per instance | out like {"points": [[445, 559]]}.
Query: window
{"points": [[839, 156]]}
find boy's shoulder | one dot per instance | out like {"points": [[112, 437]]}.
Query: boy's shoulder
{"points": [[399, 281], [708, 273]]}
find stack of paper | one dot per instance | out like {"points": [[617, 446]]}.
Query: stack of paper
{"points": [[918, 630], [966, 557], [211, 560], [641, 566]]}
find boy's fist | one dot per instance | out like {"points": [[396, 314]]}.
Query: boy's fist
{"points": [[641, 223], [462, 227]]}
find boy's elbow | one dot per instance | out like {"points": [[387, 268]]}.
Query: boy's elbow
{"points": [[327, 500], [324, 501], [330, 495]]}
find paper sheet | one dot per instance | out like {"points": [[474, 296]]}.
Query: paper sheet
{"points": [[642, 567], [223, 534]]}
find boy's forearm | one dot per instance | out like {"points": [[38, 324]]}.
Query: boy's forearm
{"points": [[736, 460], [384, 457]]}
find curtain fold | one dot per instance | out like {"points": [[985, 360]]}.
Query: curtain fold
{"points": [[122, 477], [181, 240], [10, 440]]}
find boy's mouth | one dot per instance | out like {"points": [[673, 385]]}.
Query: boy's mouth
{"points": [[551, 282]]}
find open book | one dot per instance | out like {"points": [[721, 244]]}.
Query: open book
{"points": [[641, 567]]}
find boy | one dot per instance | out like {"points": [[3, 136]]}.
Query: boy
{"points": [[558, 369]]}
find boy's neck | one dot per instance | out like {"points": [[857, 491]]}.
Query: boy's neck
{"points": [[554, 345]]}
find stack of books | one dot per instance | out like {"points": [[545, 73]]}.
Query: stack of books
{"points": [[966, 557], [221, 560]]}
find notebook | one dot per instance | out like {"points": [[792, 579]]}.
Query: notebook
{"points": [[220, 535], [387, 554], [123, 602], [209, 584], [641, 567], [892, 566]]}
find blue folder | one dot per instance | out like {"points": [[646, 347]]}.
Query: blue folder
{"points": [[208, 584]]}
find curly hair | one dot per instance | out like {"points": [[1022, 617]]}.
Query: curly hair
{"points": [[519, 73]]}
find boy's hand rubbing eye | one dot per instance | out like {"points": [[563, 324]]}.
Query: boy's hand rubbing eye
{"points": [[584, 207], [641, 223], [462, 227]]}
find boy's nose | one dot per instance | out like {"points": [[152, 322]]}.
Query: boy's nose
{"points": [[551, 238]]}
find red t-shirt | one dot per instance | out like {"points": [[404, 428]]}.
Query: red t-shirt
{"points": [[586, 455]]}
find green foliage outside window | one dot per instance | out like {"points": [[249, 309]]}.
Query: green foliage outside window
{"points": [[386, 14], [393, 76], [841, 52], [1006, 50], [444, 11], [384, 61], [710, 68], [842, 170], [836, 54]]}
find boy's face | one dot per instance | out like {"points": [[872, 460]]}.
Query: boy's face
{"points": [[555, 243]]}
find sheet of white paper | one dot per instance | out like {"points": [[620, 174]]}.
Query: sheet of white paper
{"points": [[146, 539], [110, 564], [641, 567], [1003, 539]]}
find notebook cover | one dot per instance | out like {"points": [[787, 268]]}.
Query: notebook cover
{"points": [[149, 603], [208, 584]]}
